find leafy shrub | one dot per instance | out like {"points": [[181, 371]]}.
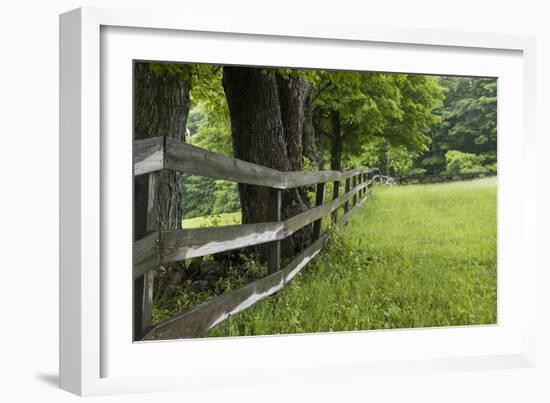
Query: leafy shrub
{"points": [[433, 164], [491, 168], [416, 172], [459, 162]]}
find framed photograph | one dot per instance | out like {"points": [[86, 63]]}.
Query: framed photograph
{"points": [[242, 203]]}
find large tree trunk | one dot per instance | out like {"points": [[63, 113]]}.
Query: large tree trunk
{"points": [[293, 92], [161, 107], [336, 142], [258, 135], [335, 154], [309, 138], [292, 95]]}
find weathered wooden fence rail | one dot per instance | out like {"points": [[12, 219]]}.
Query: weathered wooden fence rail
{"points": [[158, 246]]}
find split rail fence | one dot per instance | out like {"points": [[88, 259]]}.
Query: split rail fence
{"points": [[154, 247]]}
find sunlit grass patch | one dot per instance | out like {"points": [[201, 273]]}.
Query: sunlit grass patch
{"points": [[412, 256], [212, 220]]}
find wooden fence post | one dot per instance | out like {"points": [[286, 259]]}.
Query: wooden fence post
{"points": [[319, 196], [274, 248], [346, 205], [145, 221], [355, 194], [335, 195]]}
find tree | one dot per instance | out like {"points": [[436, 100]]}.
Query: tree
{"points": [[293, 91], [267, 131], [161, 107], [459, 162], [469, 118], [311, 139], [359, 108], [394, 161]]}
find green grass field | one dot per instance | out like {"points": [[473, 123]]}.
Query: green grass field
{"points": [[412, 256], [213, 220]]}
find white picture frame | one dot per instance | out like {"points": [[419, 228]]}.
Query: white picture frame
{"points": [[89, 323]]}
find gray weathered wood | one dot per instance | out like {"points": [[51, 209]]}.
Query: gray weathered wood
{"points": [[301, 178], [299, 221], [274, 215], [148, 155], [193, 160], [201, 318], [335, 195], [152, 203], [354, 171], [158, 153], [354, 183], [319, 197], [345, 218], [346, 204], [146, 254], [147, 304], [188, 243], [149, 276], [296, 179]]}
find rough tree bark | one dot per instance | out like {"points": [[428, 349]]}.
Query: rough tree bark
{"points": [[309, 138], [161, 107], [293, 92], [336, 142], [292, 95], [335, 154], [258, 133]]}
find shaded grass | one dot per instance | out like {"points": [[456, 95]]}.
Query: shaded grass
{"points": [[412, 256]]}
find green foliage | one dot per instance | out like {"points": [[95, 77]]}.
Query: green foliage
{"points": [[393, 160], [426, 258], [210, 128], [396, 107], [206, 196], [185, 71], [209, 123], [459, 162], [226, 197], [468, 121], [420, 96], [180, 296], [406, 117]]}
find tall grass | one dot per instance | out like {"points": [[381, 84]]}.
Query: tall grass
{"points": [[412, 256]]}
